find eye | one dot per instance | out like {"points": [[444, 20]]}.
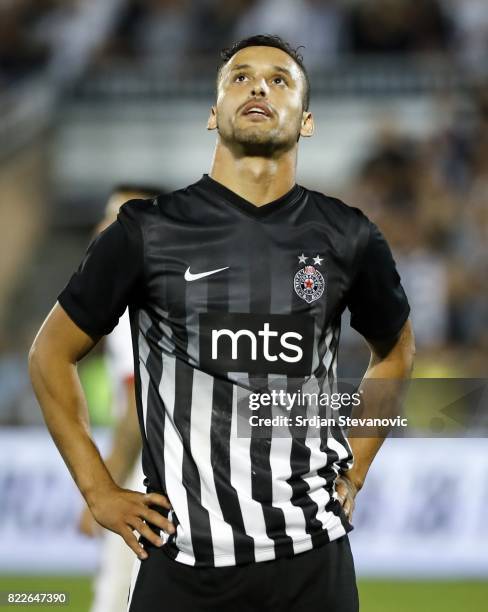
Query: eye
{"points": [[278, 80], [240, 78]]}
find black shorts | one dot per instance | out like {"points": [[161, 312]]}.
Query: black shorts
{"points": [[320, 580]]}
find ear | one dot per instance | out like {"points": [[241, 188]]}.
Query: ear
{"points": [[212, 119], [308, 126]]}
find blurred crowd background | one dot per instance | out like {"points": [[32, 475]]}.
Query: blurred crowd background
{"points": [[177, 32], [94, 94], [97, 93]]}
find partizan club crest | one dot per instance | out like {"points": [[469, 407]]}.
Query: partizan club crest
{"points": [[308, 282]]}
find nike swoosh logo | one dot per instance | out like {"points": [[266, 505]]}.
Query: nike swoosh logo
{"points": [[192, 277]]}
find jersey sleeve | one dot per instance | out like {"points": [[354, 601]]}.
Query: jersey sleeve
{"points": [[376, 300], [109, 277]]}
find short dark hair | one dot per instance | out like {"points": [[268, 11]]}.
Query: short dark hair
{"points": [[268, 40]]}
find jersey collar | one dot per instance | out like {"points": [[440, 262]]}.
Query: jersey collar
{"points": [[235, 200]]}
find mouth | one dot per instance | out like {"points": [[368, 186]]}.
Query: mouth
{"points": [[256, 109]]}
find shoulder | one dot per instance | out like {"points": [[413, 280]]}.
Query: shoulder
{"points": [[144, 213], [333, 204], [335, 210], [137, 209], [154, 209]]}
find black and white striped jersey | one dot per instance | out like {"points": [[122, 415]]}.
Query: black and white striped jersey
{"points": [[223, 295]]}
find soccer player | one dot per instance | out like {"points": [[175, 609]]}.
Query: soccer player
{"points": [[240, 277], [124, 458]]}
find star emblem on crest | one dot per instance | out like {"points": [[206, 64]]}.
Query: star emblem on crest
{"points": [[302, 259], [318, 260]]}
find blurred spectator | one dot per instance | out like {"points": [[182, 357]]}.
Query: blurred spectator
{"points": [[471, 247], [55, 34], [185, 35], [425, 279], [214, 23], [155, 28], [430, 198], [390, 191], [470, 18], [20, 52], [152, 30], [398, 26], [164, 30], [388, 170], [315, 24], [76, 32]]}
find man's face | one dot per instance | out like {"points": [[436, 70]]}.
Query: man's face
{"points": [[259, 104]]}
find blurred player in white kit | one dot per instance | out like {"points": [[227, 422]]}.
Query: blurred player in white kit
{"points": [[112, 582]]}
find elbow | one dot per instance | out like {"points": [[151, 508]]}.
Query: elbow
{"points": [[409, 361], [32, 353], [34, 361], [32, 357], [408, 348], [38, 368], [37, 362]]}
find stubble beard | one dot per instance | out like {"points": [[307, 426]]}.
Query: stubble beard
{"points": [[255, 142]]}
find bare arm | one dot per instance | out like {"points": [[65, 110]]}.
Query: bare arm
{"points": [[391, 362], [125, 449], [58, 346]]}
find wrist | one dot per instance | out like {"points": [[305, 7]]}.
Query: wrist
{"points": [[117, 469], [94, 491]]}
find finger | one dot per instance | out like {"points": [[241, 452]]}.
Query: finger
{"points": [[341, 491], [157, 500], [144, 530], [133, 543], [153, 517], [349, 507]]}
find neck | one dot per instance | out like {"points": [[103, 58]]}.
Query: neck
{"points": [[258, 180]]}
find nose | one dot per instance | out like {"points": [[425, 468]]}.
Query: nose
{"points": [[259, 88]]}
